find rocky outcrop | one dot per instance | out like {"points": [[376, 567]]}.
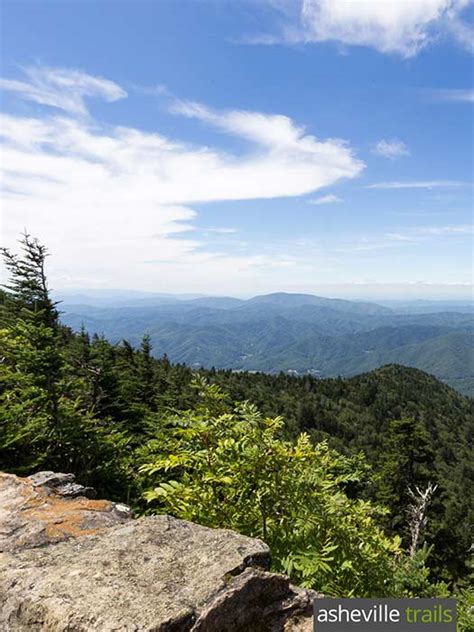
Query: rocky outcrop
{"points": [[72, 563], [47, 508]]}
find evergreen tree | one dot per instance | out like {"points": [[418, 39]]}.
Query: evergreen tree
{"points": [[45, 418], [147, 373], [31, 359], [404, 466]]}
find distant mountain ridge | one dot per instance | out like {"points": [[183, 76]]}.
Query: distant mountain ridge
{"points": [[297, 333]]}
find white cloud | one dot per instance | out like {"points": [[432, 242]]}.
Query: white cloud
{"points": [[452, 95], [292, 161], [409, 238], [391, 149], [416, 184], [417, 233], [461, 30], [63, 88], [405, 237], [463, 229], [325, 199], [113, 203], [403, 27], [222, 231]]}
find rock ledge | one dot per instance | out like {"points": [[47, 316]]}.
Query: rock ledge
{"points": [[71, 563]]}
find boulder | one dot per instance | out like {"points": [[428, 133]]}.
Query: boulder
{"points": [[43, 509], [99, 569]]}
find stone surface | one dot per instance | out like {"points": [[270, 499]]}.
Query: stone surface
{"points": [[114, 573], [41, 510], [62, 484]]}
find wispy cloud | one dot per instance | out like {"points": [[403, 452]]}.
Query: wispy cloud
{"points": [[391, 149], [86, 188], [417, 233], [405, 237], [460, 29], [390, 26], [463, 229], [408, 238], [63, 88], [363, 244], [416, 184], [325, 199], [289, 161], [222, 231], [451, 95]]}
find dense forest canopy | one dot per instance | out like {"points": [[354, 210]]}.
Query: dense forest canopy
{"points": [[330, 472]]}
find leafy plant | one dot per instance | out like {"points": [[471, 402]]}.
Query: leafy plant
{"points": [[232, 470]]}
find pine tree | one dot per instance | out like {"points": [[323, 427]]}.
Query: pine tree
{"points": [[404, 466], [147, 373], [31, 359], [45, 418]]}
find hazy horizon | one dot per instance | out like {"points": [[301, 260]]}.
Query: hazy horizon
{"points": [[325, 292]]}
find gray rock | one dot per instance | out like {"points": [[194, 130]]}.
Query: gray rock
{"points": [[155, 573], [61, 484], [34, 514], [50, 479]]}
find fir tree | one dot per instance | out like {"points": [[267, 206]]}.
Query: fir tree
{"points": [[31, 359]]}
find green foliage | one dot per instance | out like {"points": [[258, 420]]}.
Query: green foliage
{"points": [[412, 578], [465, 599], [365, 414], [231, 469], [406, 458]]}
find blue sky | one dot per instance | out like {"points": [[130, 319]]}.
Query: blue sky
{"points": [[232, 147]]}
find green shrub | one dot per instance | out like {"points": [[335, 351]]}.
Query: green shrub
{"points": [[230, 469]]}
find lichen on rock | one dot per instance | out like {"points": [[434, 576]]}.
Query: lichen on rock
{"points": [[76, 564]]}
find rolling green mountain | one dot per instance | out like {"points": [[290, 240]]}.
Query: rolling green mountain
{"points": [[297, 333]]}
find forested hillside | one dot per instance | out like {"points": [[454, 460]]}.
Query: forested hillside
{"points": [[297, 333], [330, 472], [412, 429]]}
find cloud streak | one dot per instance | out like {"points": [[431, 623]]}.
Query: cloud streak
{"points": [[305, 162], [391, 149], [390, 26], [417, 184], [222, 230], [452, 95], [63, 88], [325, 199], [87, 189], [405, 237]]}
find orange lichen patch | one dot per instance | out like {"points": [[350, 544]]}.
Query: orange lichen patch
{"points": [[32, 514], [63, 518], [60, 517]]}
